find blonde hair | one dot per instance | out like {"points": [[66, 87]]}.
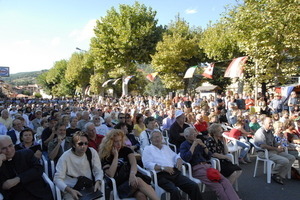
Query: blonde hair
{"points": [[106, 145]]}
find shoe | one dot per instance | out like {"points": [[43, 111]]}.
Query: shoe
{"points": [[277, 179], [248, 160], [241, 160]]}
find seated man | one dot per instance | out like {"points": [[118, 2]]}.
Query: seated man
{"points": [[177, 128], [94, 139], [195, 152], [21, 173], [74, 163], [14, 133], [264, 139], [145, 135], [161, 158]]}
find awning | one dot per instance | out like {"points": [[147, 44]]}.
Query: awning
{"points": [[208, 88]]}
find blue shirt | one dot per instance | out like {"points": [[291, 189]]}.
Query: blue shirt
{"points": [[198, 156]]}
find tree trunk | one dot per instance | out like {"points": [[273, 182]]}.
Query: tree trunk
{"points": [[124, 87], [263, 89], [240, 86]]}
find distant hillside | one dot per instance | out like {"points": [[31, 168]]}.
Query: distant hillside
{"points": [[23, 78]]}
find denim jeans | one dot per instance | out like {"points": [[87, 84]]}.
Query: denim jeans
{"points": [[245, 148]]}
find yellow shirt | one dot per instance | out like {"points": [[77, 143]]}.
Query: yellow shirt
{"points": [[138, 129]]}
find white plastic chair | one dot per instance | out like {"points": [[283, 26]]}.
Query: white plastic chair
{"points": [[268, 164], [114, 193], [54, 189], [233, 147], [159, 191]]}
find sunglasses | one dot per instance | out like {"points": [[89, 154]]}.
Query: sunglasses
{"points": [[82, 143], [121, 117]]}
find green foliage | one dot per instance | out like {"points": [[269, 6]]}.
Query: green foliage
{"points": [[37, 95], [176, 53], [155, 88], [218, 42], [78, 71], [26, 92], [268, 31], [23, 78], [122, 39], [42, 81], [54, 82]]}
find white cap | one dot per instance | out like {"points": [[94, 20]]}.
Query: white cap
{"points": [[178, 113]]}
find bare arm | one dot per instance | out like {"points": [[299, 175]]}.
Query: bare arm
{"points": [[111, 171]]}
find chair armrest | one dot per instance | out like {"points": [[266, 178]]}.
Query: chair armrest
{"points": [[144, 171], [231, 157], [215, 162], [114, 185], [50, 183]]}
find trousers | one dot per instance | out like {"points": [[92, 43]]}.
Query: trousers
{"points": [[223, 189]]}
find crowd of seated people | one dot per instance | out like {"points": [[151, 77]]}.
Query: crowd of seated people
{"points": [[48, 126]]}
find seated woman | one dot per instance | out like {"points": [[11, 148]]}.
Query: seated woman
{"points": [[139, 127], [118, 161], [130, 140], [27, 142], [280, 138], [217, 145], [292, 135], [129, 122]]}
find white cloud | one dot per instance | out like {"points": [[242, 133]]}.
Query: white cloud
{"points": [[85, 33], [191, 11], [55, 41]]}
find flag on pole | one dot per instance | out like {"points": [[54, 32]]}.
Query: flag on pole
{"points": [[190, 72], [116, 81], [235, 69], [106, 82], [208, 71], [151, 77], [126, 80]]}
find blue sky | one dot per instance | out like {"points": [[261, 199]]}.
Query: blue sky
{"points": [[36, 33]]}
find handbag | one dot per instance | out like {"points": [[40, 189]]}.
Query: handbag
{"points": [[213, 174], [82, 183]]}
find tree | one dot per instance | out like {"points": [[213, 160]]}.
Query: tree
{"points": [[177, 52], [123, 39], [218, 43], [78, 73], [54, 80], [42, 80], [268, 32]]}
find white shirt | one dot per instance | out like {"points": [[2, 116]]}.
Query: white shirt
{"points": [[154, 156], [70, 165], [102, 129]]}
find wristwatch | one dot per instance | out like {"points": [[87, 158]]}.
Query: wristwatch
{"points": [[162, 168]]}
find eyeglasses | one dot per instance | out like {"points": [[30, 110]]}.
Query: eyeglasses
{"points": [[82, 143], [121, 117]]}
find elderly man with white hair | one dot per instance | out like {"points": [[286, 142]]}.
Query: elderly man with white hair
{"points": [[159, 157]]}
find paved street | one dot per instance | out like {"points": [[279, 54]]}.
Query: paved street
{"points": [[257, 188]]}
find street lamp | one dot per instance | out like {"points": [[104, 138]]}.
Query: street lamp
{"points": [[77, 48]]}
